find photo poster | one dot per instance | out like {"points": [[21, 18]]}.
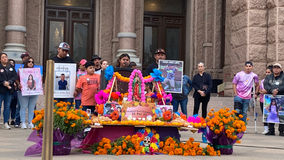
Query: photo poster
{"points": [[18, 66], [172, 71], [64, 80], [111, 107], [160, 109], [273, 109], [31, 81], [141, 111]]}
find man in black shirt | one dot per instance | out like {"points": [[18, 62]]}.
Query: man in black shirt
{"points": [[62, 57], [202, 84], [160, 54]]}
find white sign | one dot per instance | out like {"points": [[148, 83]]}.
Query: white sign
{"points": [[64, 80]]}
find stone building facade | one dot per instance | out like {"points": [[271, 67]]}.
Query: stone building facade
{"points": [[221, 33]]}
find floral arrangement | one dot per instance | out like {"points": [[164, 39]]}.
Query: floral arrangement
{"points": [[167, 116], [69, 121], [173, 147], [115, 95], [146, 79], [147, 142], [224, 128], [109, 72], [197, 121], [100, 109], [114, 115], [130, 92], [147, 123]]}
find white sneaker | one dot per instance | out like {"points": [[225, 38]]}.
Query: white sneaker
{"points": [[265, 131], [23, 126], [30, 126], [6, 126], [166, 87]]}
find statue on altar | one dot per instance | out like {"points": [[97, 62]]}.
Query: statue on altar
{"points": [[137, 88]]}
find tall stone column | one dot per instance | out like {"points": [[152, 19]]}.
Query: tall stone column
{"points": [[15, 29], [127, 33]]}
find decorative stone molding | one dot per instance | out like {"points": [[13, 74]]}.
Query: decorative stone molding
{"points": [[125, 51], [126, 35], [15, 28]]}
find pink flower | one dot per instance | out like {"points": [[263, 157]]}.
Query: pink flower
{"points": [[154, 140], [101, 97]]}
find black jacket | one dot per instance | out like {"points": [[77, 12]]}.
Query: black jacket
{"points": [[203, 83], [271, 82], [9, 74], [150, 68]]}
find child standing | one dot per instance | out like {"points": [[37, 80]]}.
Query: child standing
{"points": [[81, 72], [90, 84]]}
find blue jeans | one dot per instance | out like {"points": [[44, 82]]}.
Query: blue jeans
{"points": [[18, 118], [27, 102], [13, 105], [7, 101], [183, 105], [71, 100], [78, 104], [245, 103]]}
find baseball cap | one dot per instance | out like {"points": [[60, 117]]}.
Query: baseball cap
{"points": [[64, 45], [24, 54], [83, 62], [277, 64], [160, 50], [95, 57]]}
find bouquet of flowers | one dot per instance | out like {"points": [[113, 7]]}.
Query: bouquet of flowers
{"points": [[67, 124], [224, 129]]}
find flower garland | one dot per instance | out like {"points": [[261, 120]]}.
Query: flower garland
{"points": [[130, 91], [147, 79]]}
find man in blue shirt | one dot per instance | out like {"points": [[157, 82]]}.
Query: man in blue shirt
{"points": [[62, 83]]}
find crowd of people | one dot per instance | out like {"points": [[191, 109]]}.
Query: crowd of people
{"points": [[89, 81]]}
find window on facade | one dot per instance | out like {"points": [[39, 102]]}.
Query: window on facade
{"points": [[71, 3], [167, 6]]}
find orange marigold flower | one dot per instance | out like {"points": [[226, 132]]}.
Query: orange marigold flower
{"points": [[238, 141], [171, 153], [241, 116], [73, 125], [191, 139]]}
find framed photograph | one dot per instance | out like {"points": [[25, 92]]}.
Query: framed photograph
{"points": [[31, 81], [109, 108], [273, 109], [64, 80], [172, 71], [160, 109]]}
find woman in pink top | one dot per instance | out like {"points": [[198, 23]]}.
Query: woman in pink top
{"points": [[262, 91]]}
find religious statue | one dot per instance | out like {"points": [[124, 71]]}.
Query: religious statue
{"points": [[137, 88]]}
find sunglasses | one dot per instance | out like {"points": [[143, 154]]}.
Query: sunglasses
{"points": [[31, 62]]}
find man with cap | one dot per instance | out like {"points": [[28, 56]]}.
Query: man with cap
{"points": [[62, 57], [96, 59], [274, 84], [160, 54], [242, 86], [24, 56]]}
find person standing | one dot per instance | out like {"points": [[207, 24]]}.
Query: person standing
{"points": [[62, 57], [274, 84], [81, 71], [262, 91], [24, 56], [202, 84], [13, 104], [242, 86], [88, 85], [160, 54], [123, 61], [96, 59], [27, 102], [103, 81], [182, 98], [8, 76]]}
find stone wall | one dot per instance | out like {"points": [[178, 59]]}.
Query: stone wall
{"points": [[207, 36], [3, 23]]}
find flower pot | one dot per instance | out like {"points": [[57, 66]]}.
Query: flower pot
{"points": [[61, 143]]}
